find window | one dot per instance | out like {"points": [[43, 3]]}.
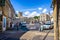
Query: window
{"points": [[0, 17]]}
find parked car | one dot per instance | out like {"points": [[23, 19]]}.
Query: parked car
{"points": [[22, 24], [47, 25], [41, 28]]}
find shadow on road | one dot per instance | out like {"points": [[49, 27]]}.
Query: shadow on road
{"points": [[13, 34]]}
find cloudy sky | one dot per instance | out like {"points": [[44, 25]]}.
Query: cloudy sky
{"points": [[31, 8]]}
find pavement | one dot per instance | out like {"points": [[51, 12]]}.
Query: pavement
{"points": [[37, 35], [12, 34]]}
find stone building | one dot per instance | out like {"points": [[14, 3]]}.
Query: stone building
{"points": [[20, 14], [20, 17], [44, 17], [30, 20], [51, 17], [8, 13]]}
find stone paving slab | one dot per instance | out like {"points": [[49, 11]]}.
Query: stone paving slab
{"points": [[35, 35], [49, 38]]}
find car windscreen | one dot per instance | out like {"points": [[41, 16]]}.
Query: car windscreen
{"points": [[23, 23], [47, 24]]}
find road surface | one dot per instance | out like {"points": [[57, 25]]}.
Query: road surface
{"points": [[12, 34], [23, 34]]}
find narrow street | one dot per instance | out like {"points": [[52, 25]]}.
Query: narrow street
{"points": [[24, 34], [29, 20]]}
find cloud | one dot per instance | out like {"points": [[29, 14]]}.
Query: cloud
{"points": [[51, 11], [26, 13], [40, 8], [44, 11], [31, 14], [47, 13], [34, 13], [17, 12]]}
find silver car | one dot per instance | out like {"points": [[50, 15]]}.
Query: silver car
{"points": [[47, 25]]}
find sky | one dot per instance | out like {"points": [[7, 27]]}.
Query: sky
{"points": [[31, 8]]}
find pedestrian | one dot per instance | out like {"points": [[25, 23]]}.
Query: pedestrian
{"points": [[20, 24], [12, 25], [17, 24], [41, 27]]}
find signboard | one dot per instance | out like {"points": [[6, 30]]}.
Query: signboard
{"points": [[4, 23]]}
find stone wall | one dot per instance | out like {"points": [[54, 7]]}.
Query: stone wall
{"points": [[59, 18], [9, 12]]}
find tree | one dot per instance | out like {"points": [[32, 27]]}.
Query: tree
{"points": [[16, 15], [36, 17]]}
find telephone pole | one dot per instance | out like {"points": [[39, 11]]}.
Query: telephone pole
{"points": [[56, 16]]}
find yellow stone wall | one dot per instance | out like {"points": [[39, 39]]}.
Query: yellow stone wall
{"points": [[44, 17], [8, 11]]}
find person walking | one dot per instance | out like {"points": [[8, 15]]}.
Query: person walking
{"points": [[12, 25], [41, 26], [17, 24]]}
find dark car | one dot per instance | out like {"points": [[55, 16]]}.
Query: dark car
{"points": [[23, 26]]}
